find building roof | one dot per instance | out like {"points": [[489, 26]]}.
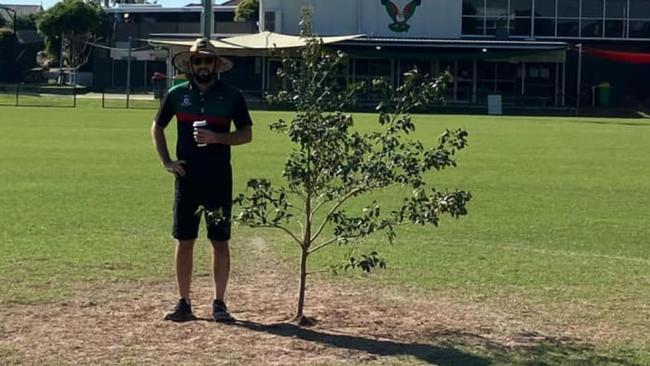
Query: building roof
{"points": [[457, 43], [140, 8], [23, 9]]}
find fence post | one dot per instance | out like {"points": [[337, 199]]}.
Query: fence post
{"points": [[74, 95], [17, 93], [128, 76], [103, 96]]}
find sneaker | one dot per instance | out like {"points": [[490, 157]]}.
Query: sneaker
{"points": [[182, 312], [220, 312]]}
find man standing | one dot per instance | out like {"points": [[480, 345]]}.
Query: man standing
{"points": [[202, 169]]}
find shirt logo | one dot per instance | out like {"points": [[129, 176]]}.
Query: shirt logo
{"points": [[186, 101]]}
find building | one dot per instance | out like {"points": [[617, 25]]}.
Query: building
{"points": [[523, 50], [133, 24]]}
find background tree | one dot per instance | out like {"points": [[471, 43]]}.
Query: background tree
{"points": [[8, 54], [331, 163], [28, 21], [80, 23], [247, 10]]}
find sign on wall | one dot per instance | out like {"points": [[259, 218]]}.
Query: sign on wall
{"points": [[400, 14]]}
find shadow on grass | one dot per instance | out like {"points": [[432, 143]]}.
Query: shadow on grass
{"points": [[640, 123], [457, 348], [438, 355], [530, 348]]}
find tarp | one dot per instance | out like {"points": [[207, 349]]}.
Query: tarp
{"points": [[619, 56], [252, 43]]}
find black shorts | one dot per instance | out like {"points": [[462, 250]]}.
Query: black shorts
{"points": [[214, 193]]}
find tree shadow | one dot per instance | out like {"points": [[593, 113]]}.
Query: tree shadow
{"points": [[532, 348], [586, 120], [437, 355], [450, 348]]}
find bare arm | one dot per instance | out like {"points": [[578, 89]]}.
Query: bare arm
{"points": [[239, 137], [160, 143]]}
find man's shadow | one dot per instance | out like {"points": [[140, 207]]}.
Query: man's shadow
{"points": [[444, 356]]}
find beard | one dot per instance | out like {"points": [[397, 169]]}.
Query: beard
{"points": [[203, 78]]}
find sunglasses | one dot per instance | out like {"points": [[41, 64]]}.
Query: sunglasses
{"points": [[202, 60]]}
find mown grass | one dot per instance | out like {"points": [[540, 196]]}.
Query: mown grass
{"points": [[559, 215]]}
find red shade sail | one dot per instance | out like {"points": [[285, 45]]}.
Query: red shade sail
{"points": [[620, 56]]}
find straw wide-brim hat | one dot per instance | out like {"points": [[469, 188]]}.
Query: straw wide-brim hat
{"points": [[201, 46]]}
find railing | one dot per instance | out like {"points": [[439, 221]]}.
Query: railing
{"points": [[34, 95]]}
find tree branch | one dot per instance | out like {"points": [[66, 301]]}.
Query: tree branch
{"points": [[324, 244], [281, 228], [329, 214]]}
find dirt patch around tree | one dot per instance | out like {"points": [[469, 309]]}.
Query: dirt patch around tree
{"points": [[121, 324]]}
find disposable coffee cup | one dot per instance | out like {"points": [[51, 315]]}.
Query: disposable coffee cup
{"points": [[199, 124]]}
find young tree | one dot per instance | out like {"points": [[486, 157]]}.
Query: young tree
{"points": [[247, 10], [332, 163], [80, 23]]}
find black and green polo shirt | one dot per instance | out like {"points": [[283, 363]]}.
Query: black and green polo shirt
{"points": [[221, 106]]}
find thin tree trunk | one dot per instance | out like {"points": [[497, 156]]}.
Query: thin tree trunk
{"points": [[306, 242], [301, 289]]}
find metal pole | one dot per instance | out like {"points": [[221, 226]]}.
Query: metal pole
{"points": [[564, 83], [128, 76], [262, 21], [579, 83], [207, 19]]}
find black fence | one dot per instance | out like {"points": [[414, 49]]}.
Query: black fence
{"points": [[119, 99], [28, 95]]}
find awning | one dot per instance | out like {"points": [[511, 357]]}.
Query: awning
{"points": [[252, 44], [619, 56], [456, 49]]}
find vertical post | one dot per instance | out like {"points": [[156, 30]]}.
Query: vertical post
{"points": [[455, 72], [474, 80], [564, 83], [557, 82], [145, 75], [17, 93], [128, 76], [61, 51], [207, 19], [523, 78], [262, 20], [359, 17], [579, 82]]}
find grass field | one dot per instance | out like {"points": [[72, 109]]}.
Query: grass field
{"points": [[559, 221]]}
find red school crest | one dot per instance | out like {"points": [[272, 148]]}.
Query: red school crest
{"points": [[400, 17]]}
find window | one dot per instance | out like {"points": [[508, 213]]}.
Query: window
{"points": [[614, 28], [521, 8], [568, 8], [592, 8], [545, 9], [473, 25], [640, 29], [520, 27], [568, 27], [557, 18], [473, 7], [616, 8], [640, 9], [592, 28], [545, 27], [497, 8]]}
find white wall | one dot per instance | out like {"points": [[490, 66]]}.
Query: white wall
{"points": [[432, 19]]}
